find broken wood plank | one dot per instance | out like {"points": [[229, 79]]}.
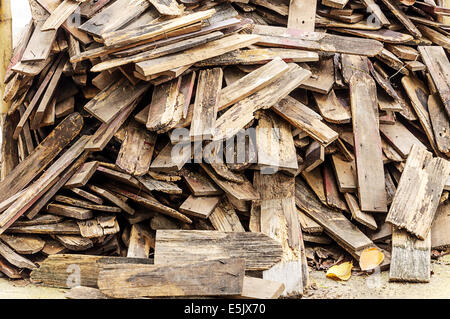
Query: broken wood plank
{"points": [[139, 246], [410, 259], [69, 211], [415, 210], [40, 44], [225, 219], [112, 198]]}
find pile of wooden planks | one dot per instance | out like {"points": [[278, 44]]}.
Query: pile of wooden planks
{"points": [[164, 148]]}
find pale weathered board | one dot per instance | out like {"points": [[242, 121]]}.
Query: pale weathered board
{"points": [[367, 141], [419, 190], [186, 246]]}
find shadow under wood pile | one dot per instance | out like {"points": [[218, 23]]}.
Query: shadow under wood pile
{"points": [[200, 148]]}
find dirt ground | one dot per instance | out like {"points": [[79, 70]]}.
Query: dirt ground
{"points": [[357, 287]]}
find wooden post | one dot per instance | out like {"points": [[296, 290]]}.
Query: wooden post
{"points": [[5, 46]]}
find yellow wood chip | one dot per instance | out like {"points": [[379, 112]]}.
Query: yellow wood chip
{"points": [[340, 272], [370, 258]]}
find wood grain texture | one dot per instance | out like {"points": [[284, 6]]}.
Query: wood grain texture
{"points": [[367, 141], [410, 261], [187, 246], [173, 280], [418, 192]]}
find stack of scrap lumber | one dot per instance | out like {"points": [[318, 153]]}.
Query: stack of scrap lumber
{"points": [[164, 148]]}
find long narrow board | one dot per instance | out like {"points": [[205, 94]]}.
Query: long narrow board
{"points": [[334, 222], [367, 141], [187, 246], [209, 278], [40, 44]]}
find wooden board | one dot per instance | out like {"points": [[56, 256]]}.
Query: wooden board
{"points": [[114, 16], [139, 245], [437, 63], [112, 197], [60, 15], [418, 192], [24, 244], [42, 156], [334, 222], [259, 251], [279, 220], [440, 122], [275, 144], [200, 207], [322, 78], [106, 105], [200, 185], [361, 217], [367, 141], [345, 174], [410, 260], [300, 116], [197, 54], [206, 104], [168, 7], [82, 176], [225, 219], [302, 15], [136, 152], [400, 138], [15, 259], [441, 226], [85, 204], [173, 280], [60, 271], [40, 44], [334, 197]]}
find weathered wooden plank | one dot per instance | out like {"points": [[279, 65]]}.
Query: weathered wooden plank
{"points": [[331, 108], [14, 258], [200, 207], [302, 15], [367, 141], [209, 50], [111, 197], [69, 211], [441, 226], [225, 219], [236, 117], [24, 244], [315, 41], [139, 245], [173, 280], [418, 93], [322, 78], [40, 44], [334, 197], [60, 15], [65, 227], [168, 7], [209, 87], [260, 56], [59, 270], [361, 217], [279, 221], [259, 251], [160, 186], [136, 152], [400, 138], [275, 144], [345, 174], [74, 242], [82, 176], [85, 204], [410, 259], [314, 179], [314, 156], [114, 16], [200, 185], [440, 122], [402, 17], [243, 191], [111, 101], [438, 66], [91, 197], [418, 192], [300, 116], [334, 223], [256, 288]]}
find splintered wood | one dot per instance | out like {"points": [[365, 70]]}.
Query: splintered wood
{"points": [[190, 148]]}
